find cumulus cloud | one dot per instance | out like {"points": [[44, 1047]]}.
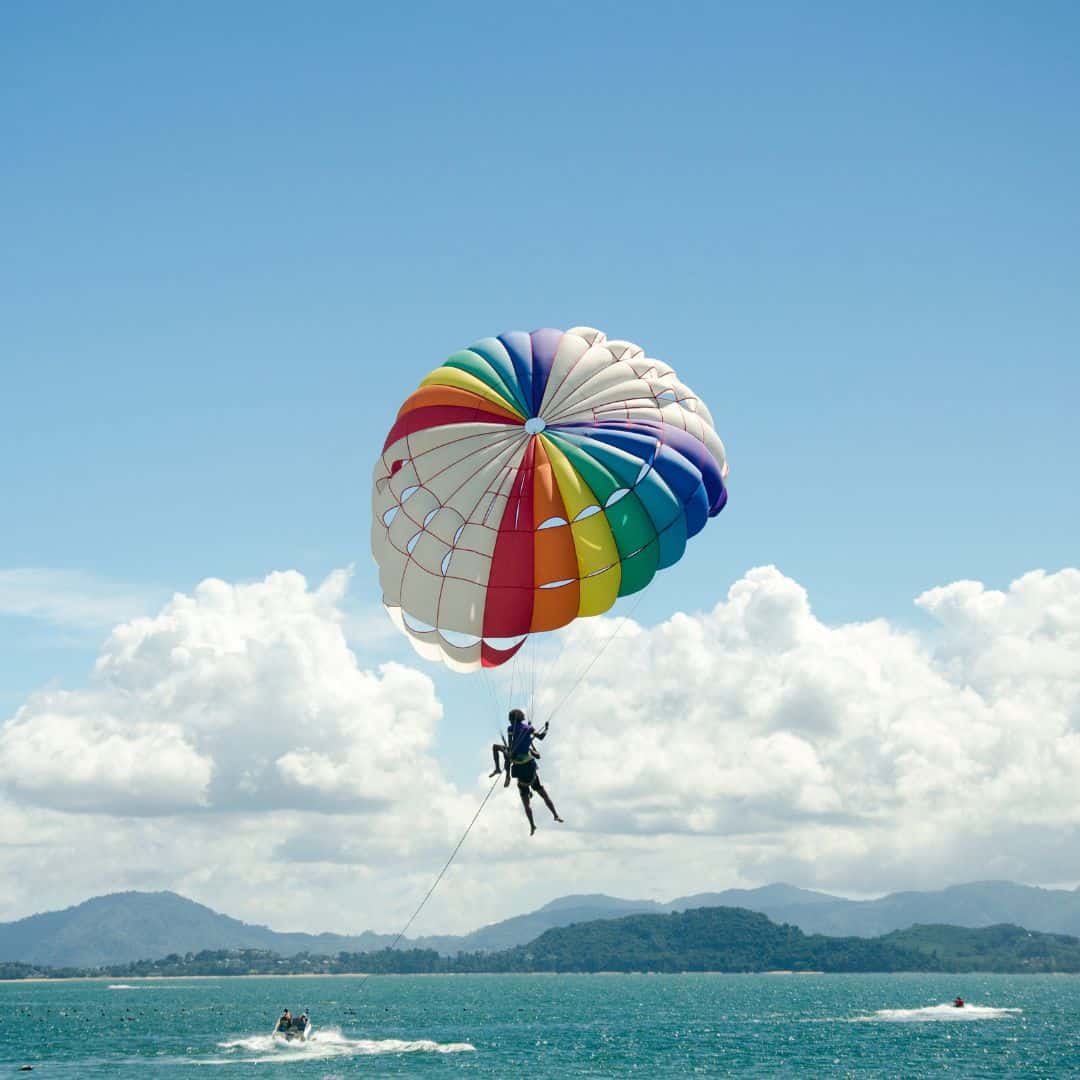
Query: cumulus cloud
{"points": [[859, 756], [66, 754], [238, 697], [232, 747]]}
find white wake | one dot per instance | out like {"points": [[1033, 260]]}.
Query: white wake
{"points": [[948, 1013], [325, 1043]]}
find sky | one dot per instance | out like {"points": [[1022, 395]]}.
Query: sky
{"points": [[236, 237]]}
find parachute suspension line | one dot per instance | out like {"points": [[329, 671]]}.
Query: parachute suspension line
{"points": [[494, 697], [615, 633], [513, 679], [552, 663], [435, 884], [532, 675], [499, 737], [508, 688]]}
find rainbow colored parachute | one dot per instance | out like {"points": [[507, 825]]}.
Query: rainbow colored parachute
{"points": [[532, 479]]}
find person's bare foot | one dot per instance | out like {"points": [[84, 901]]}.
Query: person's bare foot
{"points": [[506, 782], [532, 829], [559, 820], [494, 772]]}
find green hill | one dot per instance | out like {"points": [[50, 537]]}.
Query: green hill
{"points": [[1002, 948], [704, 939]]}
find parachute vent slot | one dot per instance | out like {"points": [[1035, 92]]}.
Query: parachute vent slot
{"points": [[552, 523], [602, 570], [416, 625], [587, 512], [502, 644]]}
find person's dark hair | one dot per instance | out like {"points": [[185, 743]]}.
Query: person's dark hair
{"points": [[517, 716]]}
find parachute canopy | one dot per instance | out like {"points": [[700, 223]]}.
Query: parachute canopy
{"points": [[532, 479]]}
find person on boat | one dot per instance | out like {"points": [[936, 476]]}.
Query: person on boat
{"points": [[959, 1003], [521, 757], [285, 1020]]}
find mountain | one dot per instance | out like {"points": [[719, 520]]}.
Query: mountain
{"points": [[124, 927], [129, 926], [562, 912], [702, 939], [980, 903], [775, 897]]}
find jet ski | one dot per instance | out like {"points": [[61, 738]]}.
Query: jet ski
{"points": [[293, 1028]]}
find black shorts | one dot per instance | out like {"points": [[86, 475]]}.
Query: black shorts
{"points": [[525, 773]]}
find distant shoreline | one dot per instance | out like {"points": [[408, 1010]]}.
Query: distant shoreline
{"points": [[113, 981]]}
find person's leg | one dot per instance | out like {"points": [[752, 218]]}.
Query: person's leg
{"points": [[496, 750], [526, 801], [539, 789]]}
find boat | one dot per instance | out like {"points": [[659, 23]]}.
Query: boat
{"points": [[293, 1028]]}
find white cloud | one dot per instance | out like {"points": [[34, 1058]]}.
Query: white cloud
{"points": [[66, 754], [852, 756], [232, 748], [238, 697]]}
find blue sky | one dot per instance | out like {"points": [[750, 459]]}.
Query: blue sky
{"points": [[236, 236]]}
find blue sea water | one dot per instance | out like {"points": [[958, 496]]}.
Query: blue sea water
{"points": [[549, 1027]]}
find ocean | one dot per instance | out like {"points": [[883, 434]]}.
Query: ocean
{"points": [[549, 1027]]}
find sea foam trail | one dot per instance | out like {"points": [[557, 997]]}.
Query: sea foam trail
{"points": [[947, 1013], [326, 1043], [120, 986]]}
